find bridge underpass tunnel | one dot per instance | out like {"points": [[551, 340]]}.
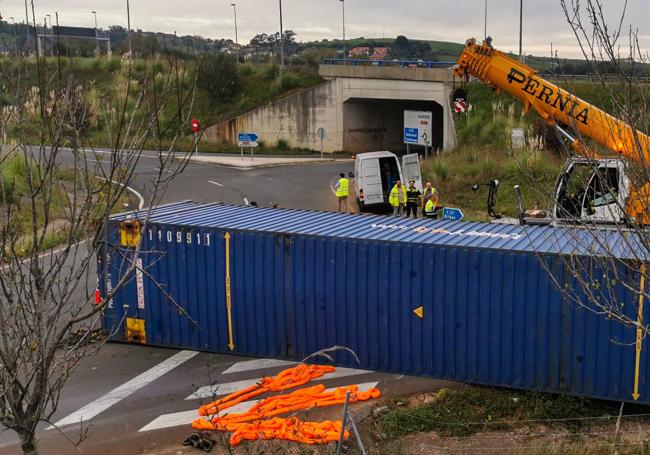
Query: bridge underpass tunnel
{"points": [[371, 125]]}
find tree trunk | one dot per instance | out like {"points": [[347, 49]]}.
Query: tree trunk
{"points": [[28, 443]]}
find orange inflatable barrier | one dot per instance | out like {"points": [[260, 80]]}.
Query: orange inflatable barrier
{"points": [[253, 424], [292, 429], [287, 379], [301, 399]]}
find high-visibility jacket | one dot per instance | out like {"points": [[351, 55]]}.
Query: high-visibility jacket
{"points": [[343, 189], [430, 207], [394, 195]]}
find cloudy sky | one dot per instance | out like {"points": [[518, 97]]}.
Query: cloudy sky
{"points": [[544, 21]]}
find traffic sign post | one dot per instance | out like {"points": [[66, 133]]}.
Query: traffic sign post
{"points": [[321, 136], [247, 140], [196, 127], [452, 214], [418, 129]]}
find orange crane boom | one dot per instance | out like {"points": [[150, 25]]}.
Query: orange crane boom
{"points": [[554, 104]]}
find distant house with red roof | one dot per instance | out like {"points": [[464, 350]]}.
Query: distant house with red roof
{"points": [[376, 53]]}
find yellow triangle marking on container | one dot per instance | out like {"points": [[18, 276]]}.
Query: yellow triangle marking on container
{"points": [[419, 312]]}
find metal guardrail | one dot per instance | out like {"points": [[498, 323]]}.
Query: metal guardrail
{"points": [[590, 77], [390, 63]]}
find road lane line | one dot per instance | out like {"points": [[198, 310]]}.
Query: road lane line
{"points": [[231, 387], [257, 364], [116, 395], [215, 183], [178, 419]]}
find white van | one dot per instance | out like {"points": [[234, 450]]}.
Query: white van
{"points": [[376, 174]]}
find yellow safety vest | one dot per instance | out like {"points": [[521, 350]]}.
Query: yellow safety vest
{"points": [[394, 195], [429, 207], [344, 188]]}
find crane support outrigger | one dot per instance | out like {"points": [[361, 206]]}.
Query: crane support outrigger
{"points": [[608, 197]]}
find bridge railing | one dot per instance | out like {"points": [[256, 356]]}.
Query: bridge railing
{"points": [[392, 63]]}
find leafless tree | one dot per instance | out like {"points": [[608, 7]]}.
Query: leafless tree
{"points": [[606, 258], [57, 193]]}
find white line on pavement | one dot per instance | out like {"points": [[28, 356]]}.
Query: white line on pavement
{"points": [[215, 183], [231, 387], [257, 364], [114, 396], [186, 417]]}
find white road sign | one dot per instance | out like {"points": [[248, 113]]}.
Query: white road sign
{"points": [[417, 127]]}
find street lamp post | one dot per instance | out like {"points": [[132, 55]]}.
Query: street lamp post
{"points": [[27, 24], [344, 50], [51, 36], [128, 20], [521, 26], [13, 35], [281, 38], [234, 7], [485, 21], [96, 36]]}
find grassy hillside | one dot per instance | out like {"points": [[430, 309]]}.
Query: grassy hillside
{"points": [[103, 79]]}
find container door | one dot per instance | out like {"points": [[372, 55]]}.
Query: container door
{"points": [[370, 182], [411, 170]]}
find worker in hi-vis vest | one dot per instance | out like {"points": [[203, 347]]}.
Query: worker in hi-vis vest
{"points": [[431, 208], [397, 198], [342, 188]]}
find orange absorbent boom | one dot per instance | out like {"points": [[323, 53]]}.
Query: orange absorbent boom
{"points": [[252, 425], [310, 397], [292, 429], [288, 379]]}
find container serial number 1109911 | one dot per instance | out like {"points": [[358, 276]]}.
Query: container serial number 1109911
{"points": [[188, 238]]}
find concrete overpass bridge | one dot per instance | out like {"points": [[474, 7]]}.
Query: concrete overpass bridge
{"points": [[361, 108]]}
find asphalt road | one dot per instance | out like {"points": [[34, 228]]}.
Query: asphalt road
{"points": [[136, 399]]}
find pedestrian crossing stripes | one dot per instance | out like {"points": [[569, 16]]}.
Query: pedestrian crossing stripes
{"points": [[254, 367], [186, 417], [116, 395], [231, 387], [258, 364]]}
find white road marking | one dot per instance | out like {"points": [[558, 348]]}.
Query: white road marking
{"points": [[178, 419], [257, 364], [116, 395], [231, 387], [215, 183]]}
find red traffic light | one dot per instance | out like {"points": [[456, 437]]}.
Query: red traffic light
{"points": [[196, 125]]}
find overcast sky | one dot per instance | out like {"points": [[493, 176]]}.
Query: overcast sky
{"points": [[544, 21]]}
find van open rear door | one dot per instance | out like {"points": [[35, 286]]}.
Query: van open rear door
{"points": [[371, 177], [411, 170]]}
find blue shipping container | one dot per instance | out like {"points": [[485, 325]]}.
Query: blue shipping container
{"points": [[465, 302]]}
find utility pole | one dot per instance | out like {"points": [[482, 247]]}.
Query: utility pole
{"points": [[234, 7], [27, 23], [96, 36], [13, 34], [51, 35], [128, 20], [281, 38], [344, 50], [521, 26], [485, 23]]}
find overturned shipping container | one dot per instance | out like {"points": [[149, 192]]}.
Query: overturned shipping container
{"points": [[470, 302]]}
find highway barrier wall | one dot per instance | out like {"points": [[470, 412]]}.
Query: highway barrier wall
{"points": [[466, 302]]}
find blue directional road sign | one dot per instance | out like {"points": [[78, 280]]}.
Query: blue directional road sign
{"points": [[452, 214], [411, 135], [248, 137]]}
